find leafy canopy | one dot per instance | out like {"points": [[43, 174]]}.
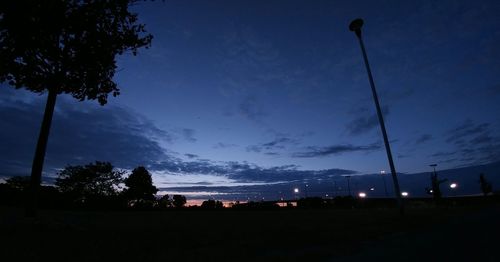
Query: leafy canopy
{"points": [[97, 179], [68, 46], [140, 185], [179, 201]]}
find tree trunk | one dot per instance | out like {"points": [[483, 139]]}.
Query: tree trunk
{"points": [[37, 167]]}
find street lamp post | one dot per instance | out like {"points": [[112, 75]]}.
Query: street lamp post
{"points": [[355, 26], [434, 167]]}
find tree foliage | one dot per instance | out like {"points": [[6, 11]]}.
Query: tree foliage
{"points": [[212, 204], [68, 46], [18, 182], [179, 201], [140, 185], [165, 202], [97, 179]]}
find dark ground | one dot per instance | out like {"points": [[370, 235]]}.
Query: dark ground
{"points": [[424, 234]]}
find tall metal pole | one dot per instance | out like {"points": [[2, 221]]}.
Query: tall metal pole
{"points": [[356, 27]]}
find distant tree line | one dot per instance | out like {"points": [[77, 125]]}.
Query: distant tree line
{"points": [[95, 185]]}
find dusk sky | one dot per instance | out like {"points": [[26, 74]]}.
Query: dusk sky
{"points": [[238, 93]]}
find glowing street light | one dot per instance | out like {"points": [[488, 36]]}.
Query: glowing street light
{"points": [[453, 186], [296, 191], [355, 26], [404, 194], [362, 194]]}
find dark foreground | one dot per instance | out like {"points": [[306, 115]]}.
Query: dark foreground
{"points": [[424, 234]]}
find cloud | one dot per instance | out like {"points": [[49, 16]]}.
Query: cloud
{"points": [[459, 134], [80, 133], [279, 143], [191, 156], [364, 124], [440, 154], [423, 138], [314, 151], [233, 173], [83, 132], [188, 134], [222, 145], [474, 143]]}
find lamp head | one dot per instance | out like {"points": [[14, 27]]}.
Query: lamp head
{"points": [[356, 25]]}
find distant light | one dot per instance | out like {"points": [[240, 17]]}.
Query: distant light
{"points": [[382, 172], [432, 191], [405, 194], [371, 189], [453, 185], [326, 195], [362, 195], [296, 190]]}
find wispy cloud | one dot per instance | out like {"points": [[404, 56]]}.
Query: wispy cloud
{"points": [[423, 138], [474, 143], [365, 122], [314, 151], [191, 156], [463, 132], [279, 143], [222, 145]]}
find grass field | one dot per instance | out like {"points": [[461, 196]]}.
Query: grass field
{"points": [[225, 235]]}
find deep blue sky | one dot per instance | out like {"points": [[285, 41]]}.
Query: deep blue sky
{"points": [[258, 92]]}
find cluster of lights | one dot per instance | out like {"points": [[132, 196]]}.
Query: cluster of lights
{"points": [[363, 194]]}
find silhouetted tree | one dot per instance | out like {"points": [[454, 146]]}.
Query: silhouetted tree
{"points": [[140, 185], [212, 204], [179, 201], [165, 202], [18, 182], [95, 180], [65, 46], [486, 186]]}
